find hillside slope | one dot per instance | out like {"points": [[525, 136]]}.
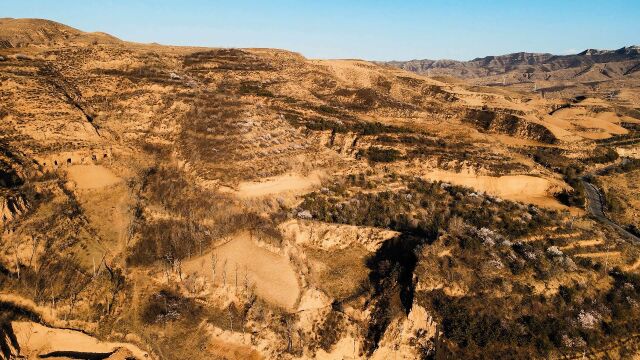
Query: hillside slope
{"points": [[251, 203]]}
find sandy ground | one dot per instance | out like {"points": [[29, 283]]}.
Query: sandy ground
{"points": [[37, 340], [272, 274], [345, 348], [106, 201], [227, 350], [288, 183], [603, 254], [583, 243], [92, 176], [516, 141], [631, 151], [523, 188], [597, 126]]}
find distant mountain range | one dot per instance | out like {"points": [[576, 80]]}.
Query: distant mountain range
{"points": [[588, 65]]}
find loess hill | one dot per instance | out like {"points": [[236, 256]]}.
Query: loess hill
{"points": [[184, 202]]}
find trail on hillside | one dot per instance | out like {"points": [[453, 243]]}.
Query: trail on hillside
{"points": [[595, 206]]}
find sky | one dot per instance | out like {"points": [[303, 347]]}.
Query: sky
{"points": [[371, 29]]}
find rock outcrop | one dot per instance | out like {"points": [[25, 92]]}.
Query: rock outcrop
{"points": [[509, 124], [11, 207]]}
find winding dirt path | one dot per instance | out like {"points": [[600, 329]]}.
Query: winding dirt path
{"points": [[595, 206]]}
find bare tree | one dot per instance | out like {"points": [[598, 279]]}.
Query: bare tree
{"points": [[199, 238], [438, 344], [179, 268], [251, 298], [166, 270], [130, 233], [74, 296], [224, 273], [214, 263], [246, 281], [15, 249], [96, 271], [236, 275], [289, 329], [311, 229], [117, 284], [35, 242], [75, 291]]}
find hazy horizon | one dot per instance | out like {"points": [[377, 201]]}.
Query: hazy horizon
{"points": [[372, 30]]}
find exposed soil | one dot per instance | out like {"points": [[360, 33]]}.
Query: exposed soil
{"points": [[38, 341], [523, 188], [271, 274]]}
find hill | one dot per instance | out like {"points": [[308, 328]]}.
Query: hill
{"points": [[185, 202], [590, 67], [17, 33]]}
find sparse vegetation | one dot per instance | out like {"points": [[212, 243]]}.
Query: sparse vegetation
{"points": [[168, 306], [420, 208], [251, 203], [378, 154], [603, 155]]}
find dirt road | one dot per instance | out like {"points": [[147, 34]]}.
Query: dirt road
{"points": [[595, 206]]}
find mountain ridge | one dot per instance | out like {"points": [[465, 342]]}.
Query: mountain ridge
{"points": [[626, 58], [24, 32]]}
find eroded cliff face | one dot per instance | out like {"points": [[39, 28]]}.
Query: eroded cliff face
{"points": [[12, 207], [509, 124]]}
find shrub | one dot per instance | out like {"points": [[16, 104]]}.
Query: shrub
{"points": [[553, 159], [603, 155], [168, 306], [325, 109], [574, 197], [378, 154], [614, 203], [254, 88], [627, 165], [375, 128], [633, 229]]}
